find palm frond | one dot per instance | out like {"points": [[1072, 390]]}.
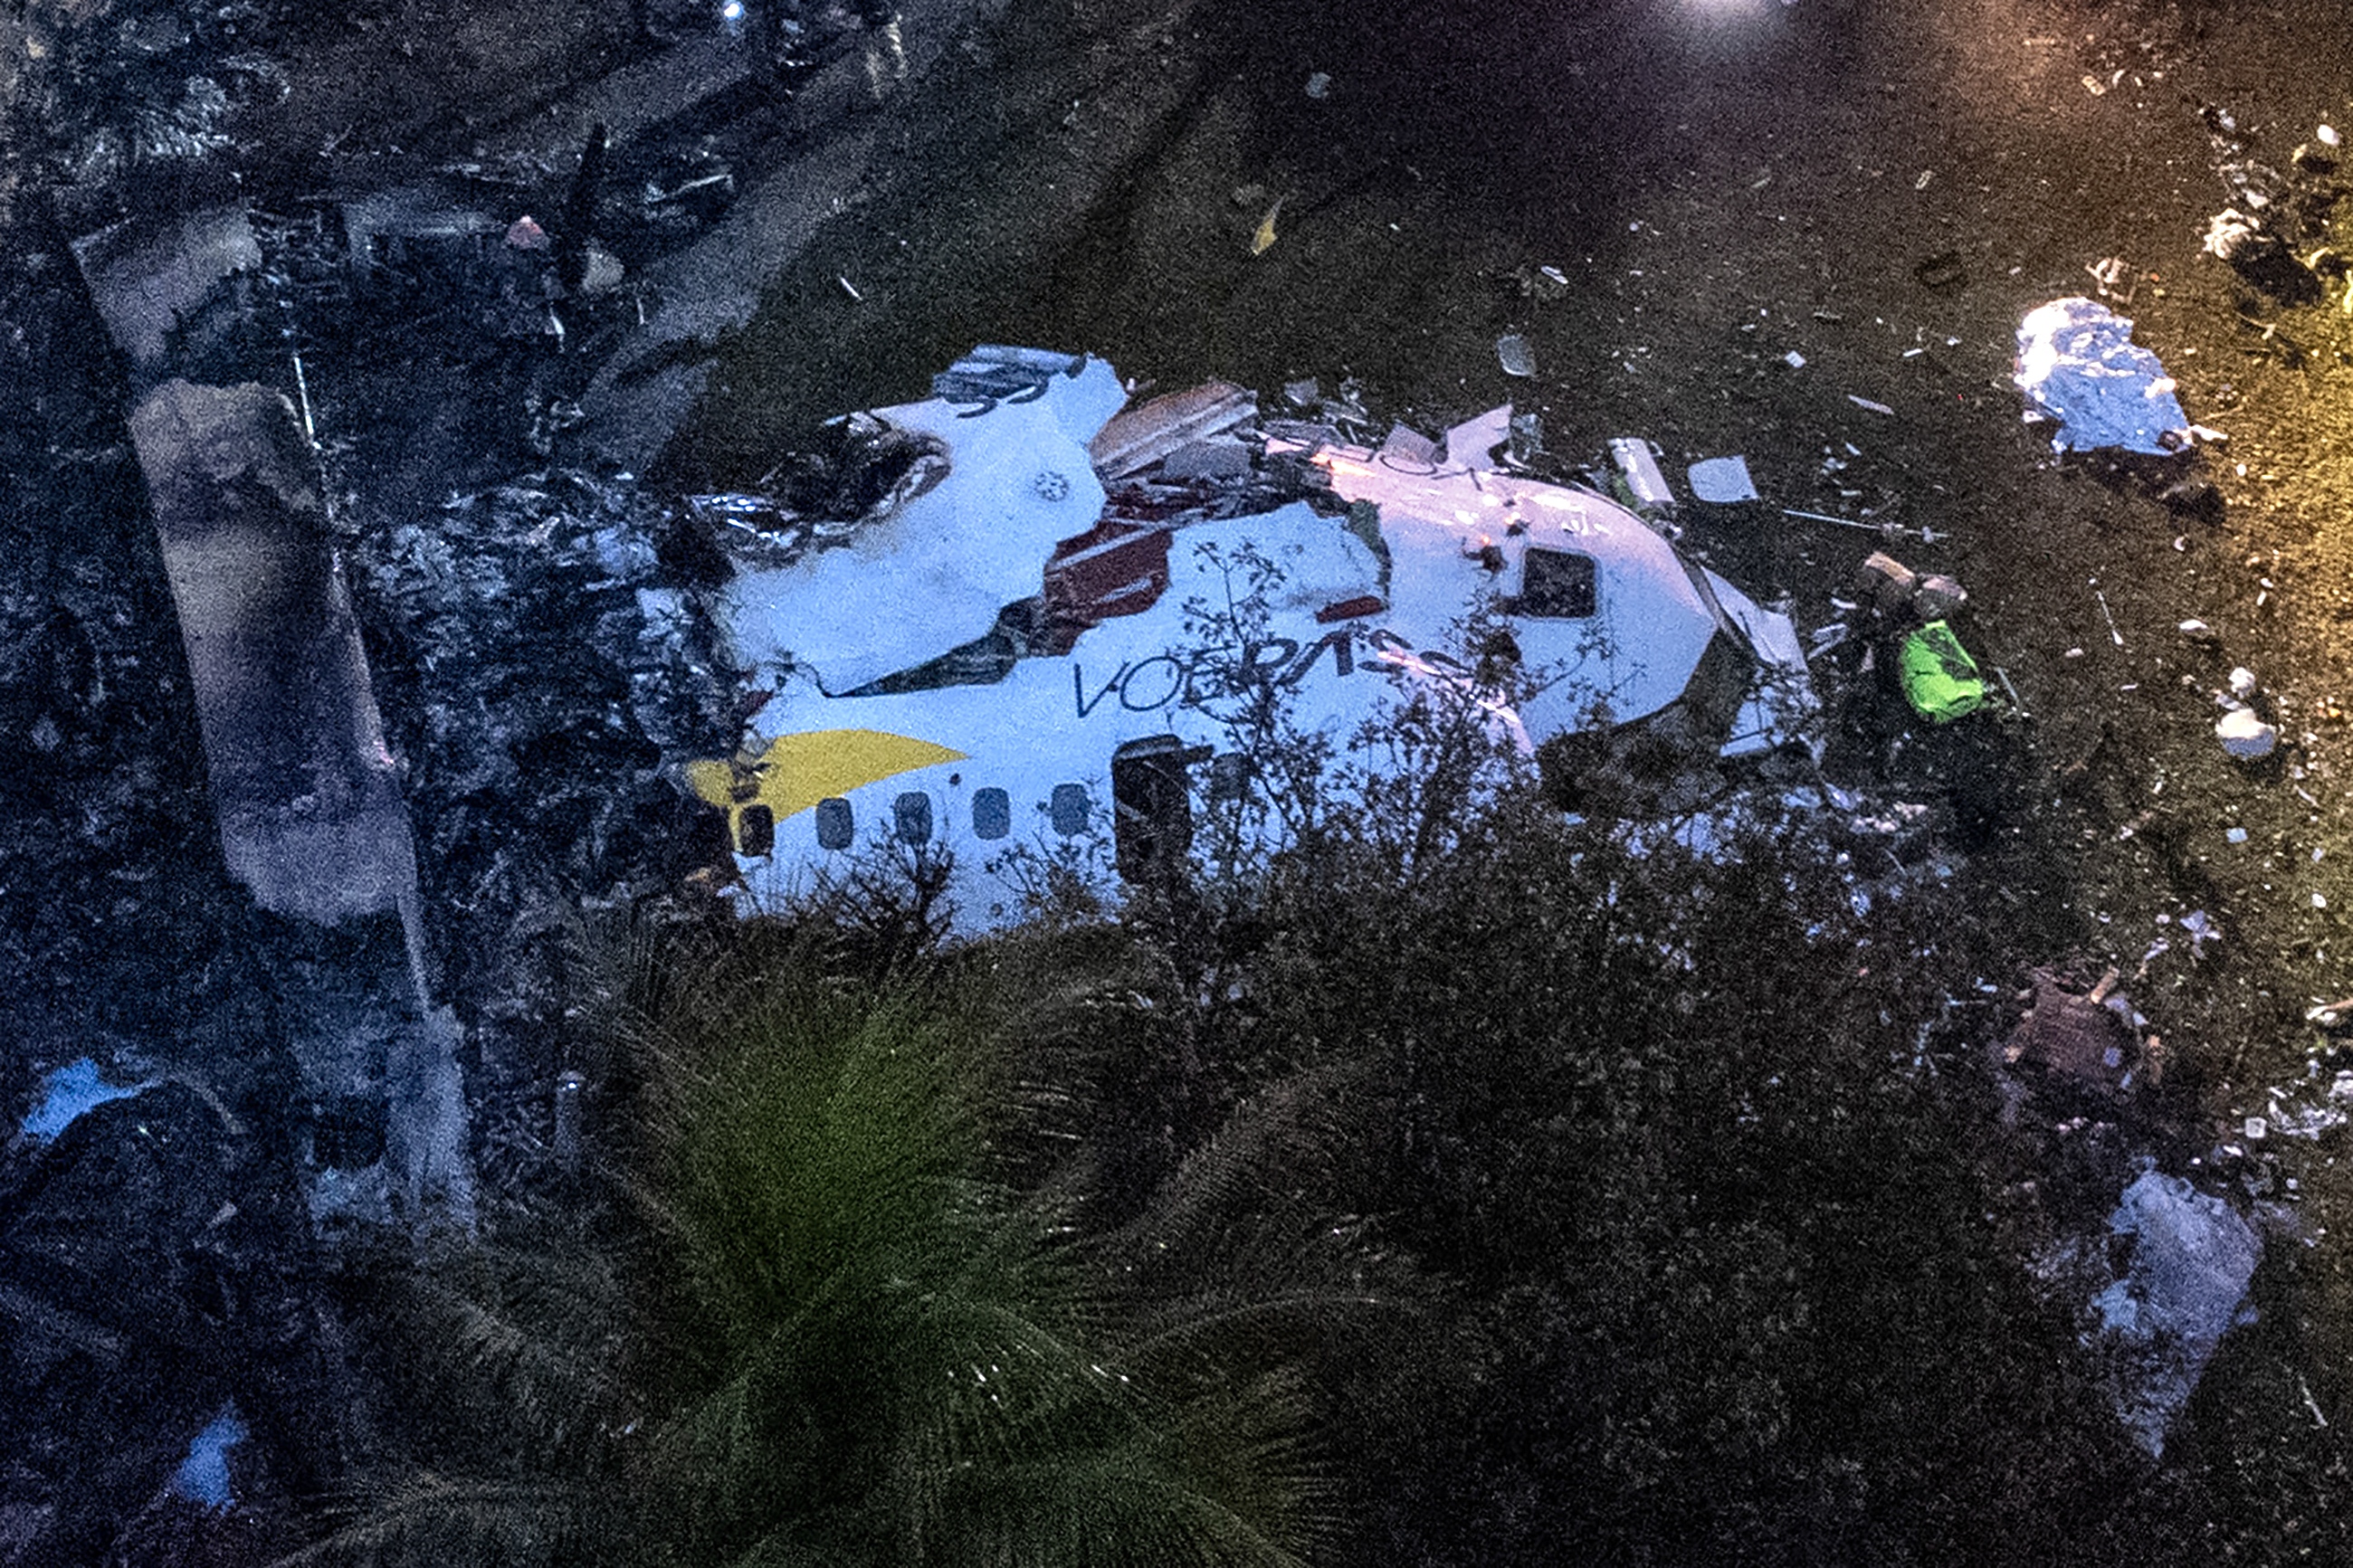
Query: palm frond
{"points": [[432, 1521], [1268, 1149], [536, 1336]]}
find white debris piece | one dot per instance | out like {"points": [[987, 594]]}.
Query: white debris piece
{"points": [[1721, 481], [2246, 736], [2077, 364], [932, 575], [1472, 443], [2192, 1256], [1638, 461]]}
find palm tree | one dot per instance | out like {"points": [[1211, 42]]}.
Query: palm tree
{"points": [[837, 1335]]}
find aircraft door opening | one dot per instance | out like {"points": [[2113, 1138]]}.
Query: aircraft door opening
{"points": [[1151, 805]]}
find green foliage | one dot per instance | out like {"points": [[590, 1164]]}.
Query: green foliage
{"points": [[1701, 1222], [834, 1333]]}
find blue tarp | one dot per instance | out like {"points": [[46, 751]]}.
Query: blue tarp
{"points": [[72, 1089], [202, 1475]]}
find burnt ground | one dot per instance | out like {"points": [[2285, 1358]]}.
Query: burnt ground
{"points": [[1721, 185]]}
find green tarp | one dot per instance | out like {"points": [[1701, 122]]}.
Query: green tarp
{"points": [[1940, 678]]}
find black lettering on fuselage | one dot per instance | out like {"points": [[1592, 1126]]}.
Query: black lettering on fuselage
{"points": [[1206, 673], [1344, 657], [1079, 688], [1262, 660], [1153, 694]]}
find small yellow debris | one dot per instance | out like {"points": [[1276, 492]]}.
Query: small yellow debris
{"points": [[1264, 238]]}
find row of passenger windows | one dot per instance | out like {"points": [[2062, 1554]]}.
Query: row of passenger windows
{"points": [[910, 817], [1148, 780]]}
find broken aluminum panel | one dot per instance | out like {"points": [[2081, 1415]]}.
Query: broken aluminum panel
{"points": [[149, 282], [1454, 535], [1472, 443], [1137, 438], [934, 574], [309, 807]]}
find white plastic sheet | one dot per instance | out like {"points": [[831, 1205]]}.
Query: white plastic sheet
{"points": [[2192, 1257], [2077, 364]]}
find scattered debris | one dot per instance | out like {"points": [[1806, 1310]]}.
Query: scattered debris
{"points": [[1541, 283], [153, 283], [2239, 240], [2246, 736], [2115, 634], [2201, 929], [1138, 437], [1723, 482], [2089, 1039], [1262, 237], [2078, 365], [309, 801], [2192, 1256], [1940, 680], [1637, 462], [1474, 443]]}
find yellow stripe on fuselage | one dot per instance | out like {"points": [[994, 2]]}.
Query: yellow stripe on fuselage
{"points": [[800, 770]]}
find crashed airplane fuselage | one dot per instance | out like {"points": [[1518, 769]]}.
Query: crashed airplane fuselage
{"points": [[1006, 664]]}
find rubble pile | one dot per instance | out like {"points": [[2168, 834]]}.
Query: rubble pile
{"points": [[537, 681], [2275, 211]]}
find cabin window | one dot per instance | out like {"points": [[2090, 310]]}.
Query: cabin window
{"points": [[836, 828], [911, 814], [1069, 809], [1558, 584], [1228, 776], [992, 812], [1153, 806], [756, 830]]}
